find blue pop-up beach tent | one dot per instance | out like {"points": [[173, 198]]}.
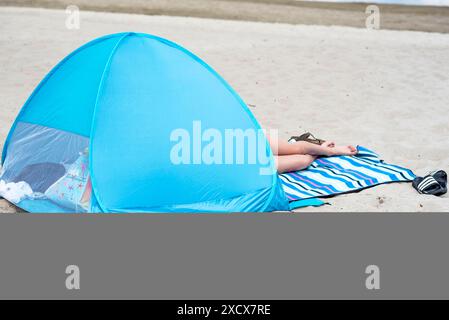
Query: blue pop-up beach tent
{"points": [[99, 132]]}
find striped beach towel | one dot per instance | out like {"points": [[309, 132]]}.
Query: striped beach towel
{"points": [[330, 176]]}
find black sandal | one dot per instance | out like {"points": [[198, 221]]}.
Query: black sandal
{"points": [[308, 137], [434, 183]]}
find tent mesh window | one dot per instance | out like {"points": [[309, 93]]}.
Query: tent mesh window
{"points": [[47, 165]]}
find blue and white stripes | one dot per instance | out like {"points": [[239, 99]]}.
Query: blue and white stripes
{"points": [[334, 175]]}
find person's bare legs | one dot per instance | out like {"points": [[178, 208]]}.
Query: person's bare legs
{"points": [[293, 162], [280, 147]]}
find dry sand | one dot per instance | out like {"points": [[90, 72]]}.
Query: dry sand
{"points": [[396, 17], [386, 90]]}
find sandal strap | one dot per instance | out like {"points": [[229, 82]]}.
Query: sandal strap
{"points": [[427, 183]]}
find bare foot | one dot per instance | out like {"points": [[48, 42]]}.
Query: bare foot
{"points": [[342, 151]]}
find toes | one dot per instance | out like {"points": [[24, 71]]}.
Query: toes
{"points": [[353, 150]]}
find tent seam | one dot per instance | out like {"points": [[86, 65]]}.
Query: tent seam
{"points": [[51, 127], [94, 113]]}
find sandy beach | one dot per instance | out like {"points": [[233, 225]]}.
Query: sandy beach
{"points": [[383, 89], [394, 17]]}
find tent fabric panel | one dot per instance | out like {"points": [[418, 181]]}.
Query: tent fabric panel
{"points": [[151, 88]]}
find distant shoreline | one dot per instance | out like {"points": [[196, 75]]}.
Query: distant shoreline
{"points": [[376, 2], [393, 16]]}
